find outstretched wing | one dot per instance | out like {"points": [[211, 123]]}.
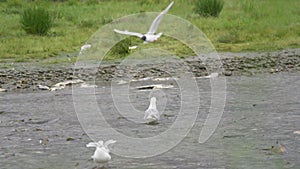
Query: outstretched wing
{"points": [[129, 33], [109, 142], [156, 21]]}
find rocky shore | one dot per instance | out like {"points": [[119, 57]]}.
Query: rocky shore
{"points": [[27, 76]]}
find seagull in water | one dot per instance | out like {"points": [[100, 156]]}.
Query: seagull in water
{"points": [[151, 114], [150, 36], [101, 154]]}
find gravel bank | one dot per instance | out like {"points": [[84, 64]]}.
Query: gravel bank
{"points": [[20, 76]]}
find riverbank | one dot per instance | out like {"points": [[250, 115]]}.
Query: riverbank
{"points": [[27, 76], [253, 26]]}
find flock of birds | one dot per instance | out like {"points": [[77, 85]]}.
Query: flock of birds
{"points": [[101, 154], [152, 115]]}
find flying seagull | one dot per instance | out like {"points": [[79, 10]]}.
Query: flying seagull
{"points": [[151, 114], [101, 154], [150, 36]]}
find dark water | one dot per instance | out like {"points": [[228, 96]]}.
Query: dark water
{"points": [[261, 111]]}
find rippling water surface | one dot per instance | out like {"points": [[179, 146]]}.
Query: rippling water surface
{"points": [[41, 130]]}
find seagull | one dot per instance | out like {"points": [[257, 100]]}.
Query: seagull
{"points": [[151, 114], [101, 154], [150, 36], [84, 48]]}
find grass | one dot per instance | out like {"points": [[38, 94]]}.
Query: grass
{"points": [[121, 50], [208, 8], [36, 20], [243, 25]]}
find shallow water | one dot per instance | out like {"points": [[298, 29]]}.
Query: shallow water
{"points": [[260, 110]]}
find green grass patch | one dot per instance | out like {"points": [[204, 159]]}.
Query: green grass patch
{"points": [[209, 8], [243, 25], [121, 49], [36, 20]]}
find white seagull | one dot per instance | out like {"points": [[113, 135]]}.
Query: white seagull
{"points": [[151, 114], [150, 36], [84, 48], [101, 154]]}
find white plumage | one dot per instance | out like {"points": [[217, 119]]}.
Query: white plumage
{"points": [[101, 154], [84, 48], [150, 36], [151, 114]]}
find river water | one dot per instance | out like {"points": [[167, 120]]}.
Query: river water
{"points": [[258, 129]]}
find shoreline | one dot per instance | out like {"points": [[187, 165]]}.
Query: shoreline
{"points": [[27, 76]]}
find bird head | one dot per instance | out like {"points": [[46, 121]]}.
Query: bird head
{"points": [[143, 38]]}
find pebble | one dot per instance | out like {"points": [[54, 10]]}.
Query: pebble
{"points": [[70, 139], [228, 73], [232, 64], [3, 90]]}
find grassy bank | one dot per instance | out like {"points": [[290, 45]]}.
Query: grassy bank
{"points": [[243, 25]]}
